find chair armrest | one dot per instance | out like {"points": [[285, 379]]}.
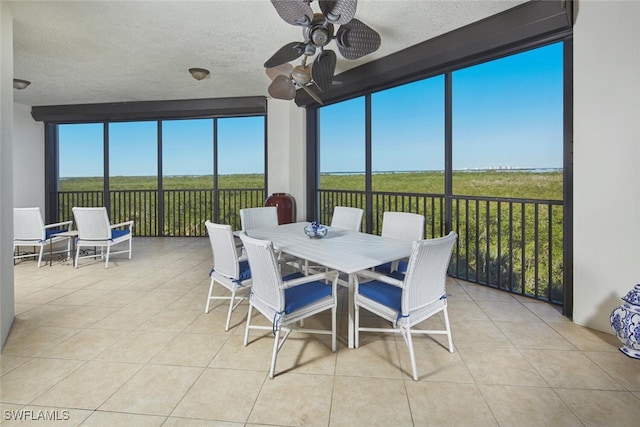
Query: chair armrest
{"points": [[123, 224], [58, 224], [374, 275], [306, 279]]}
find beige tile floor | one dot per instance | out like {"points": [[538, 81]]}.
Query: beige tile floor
{"points": [[131, 345]]}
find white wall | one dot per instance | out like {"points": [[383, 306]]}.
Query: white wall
{"points": [[28, 159], [287, 151], [606, 158], [7, 309]]}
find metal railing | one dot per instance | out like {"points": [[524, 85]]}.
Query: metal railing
{"points": [[174, 213], [512, 244]]}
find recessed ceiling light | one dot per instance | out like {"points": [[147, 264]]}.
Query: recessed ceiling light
{"points": [[20, 84], [199, 73]]}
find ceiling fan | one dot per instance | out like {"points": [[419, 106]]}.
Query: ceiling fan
{"points": [[354, 39]]}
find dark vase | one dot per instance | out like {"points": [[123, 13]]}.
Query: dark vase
{"points": [[286, 206]]}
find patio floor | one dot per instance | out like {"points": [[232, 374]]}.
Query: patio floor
{"points": [[131, 345]]}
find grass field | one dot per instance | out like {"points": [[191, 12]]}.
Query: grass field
{"points": [[508, 184], [512, 184], [169, 183]]}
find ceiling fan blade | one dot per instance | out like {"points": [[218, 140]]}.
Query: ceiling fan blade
{"points": [[286, 53], [294, 12], [282, 88], [312, 94], [355, 39], [323, 68], [280, 70], [338, 11]]}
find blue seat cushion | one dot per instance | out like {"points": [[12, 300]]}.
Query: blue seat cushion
{"points": [[386, 268], [303, 295], [402, 266], [245, 272], [52, 231], [119, 233], [292, 276], [383, 268], [382, 293]]}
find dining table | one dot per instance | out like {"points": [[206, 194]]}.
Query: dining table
{"points": [[343, 250]]}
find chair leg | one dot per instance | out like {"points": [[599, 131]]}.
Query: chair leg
{"points": [[246, 329], [130, 241], [412, 354], [274, 356], [356, 326], [106, 261], [231, 304], [75, 264], [206, 308], [40, 257], [448, 326], [334, 339]]}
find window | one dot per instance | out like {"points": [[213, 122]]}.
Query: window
{"points": [[210, 169], [342, 145], [187, 154], [81, 160], [507, 122], [407, 127], [492, 173], [241, 156], [133, 155]]}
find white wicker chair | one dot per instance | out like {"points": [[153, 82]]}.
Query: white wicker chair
{"points": [[402, 226], [347, 218], [228, 269], [251, 218], [29, 230], [406, 303], [95, 230], [286, 300]]}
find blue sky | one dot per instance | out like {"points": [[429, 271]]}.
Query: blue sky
{"points": [[507, 113], [187, 147]]}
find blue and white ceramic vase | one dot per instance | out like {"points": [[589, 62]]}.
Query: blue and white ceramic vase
{"points": [[625, 321]]}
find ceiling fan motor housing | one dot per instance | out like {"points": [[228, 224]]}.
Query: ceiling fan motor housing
{"points": [[319, 32]]}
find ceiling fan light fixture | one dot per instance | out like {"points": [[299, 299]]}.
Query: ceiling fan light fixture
{"points": [[301, 74], [199, 73], [20, 84]]}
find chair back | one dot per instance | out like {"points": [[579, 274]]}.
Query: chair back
{"points": [[28, 224], [347, 218], [92, 223], [223, 249], [426, 274], [251, 218], [403, 226], [266, 288]]}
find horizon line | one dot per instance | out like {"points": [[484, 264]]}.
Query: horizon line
{"points": [[491, 169]]}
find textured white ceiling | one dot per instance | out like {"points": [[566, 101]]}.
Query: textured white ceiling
{"points": [[78, 52]]}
